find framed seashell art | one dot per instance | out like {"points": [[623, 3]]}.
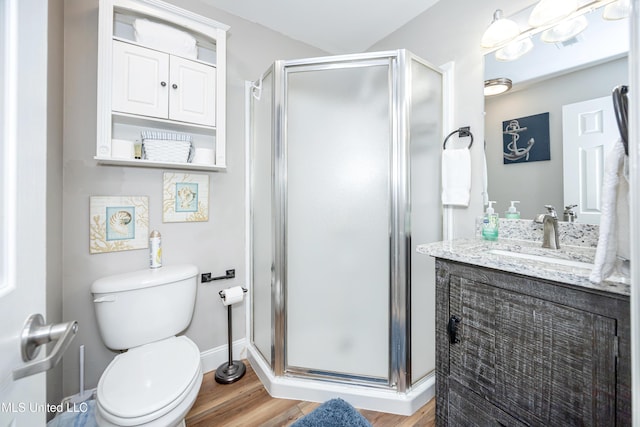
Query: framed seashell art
{"points": [[118, 223], [185, 197]]}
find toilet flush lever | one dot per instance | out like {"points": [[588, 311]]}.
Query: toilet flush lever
{"points": [[34, 334]]}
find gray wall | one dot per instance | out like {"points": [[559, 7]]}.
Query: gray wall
{"points": [[539, 183], [212, 246], [450, 31], [54, 182]]}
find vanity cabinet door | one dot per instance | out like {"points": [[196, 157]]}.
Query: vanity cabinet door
{"points": [[542, 362], [554, 364], [140, 80], [473, 359], [469, 410]]}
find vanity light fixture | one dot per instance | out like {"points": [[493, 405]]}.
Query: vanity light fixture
{"points": [[514, 50], [496, 86], [557, 20], [547, 12], [619, 9], [500, 31], [565, 30]]}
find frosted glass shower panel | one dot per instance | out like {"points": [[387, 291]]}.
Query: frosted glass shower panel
{"points": [[337, 278], [262, 215], [425, 141]]}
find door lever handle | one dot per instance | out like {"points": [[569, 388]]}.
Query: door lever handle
{"points": [[34, 334]]}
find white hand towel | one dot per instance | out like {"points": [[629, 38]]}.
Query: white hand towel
{"points": [[614, 214], [485, 179], [456, 177]]}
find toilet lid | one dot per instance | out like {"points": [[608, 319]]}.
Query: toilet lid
{"points": [[148, 378]]}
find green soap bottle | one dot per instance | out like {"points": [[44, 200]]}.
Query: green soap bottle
{"points": [[490, 223], [512, 213]]}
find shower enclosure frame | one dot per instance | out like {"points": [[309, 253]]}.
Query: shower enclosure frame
{"points": [[399, 377]]}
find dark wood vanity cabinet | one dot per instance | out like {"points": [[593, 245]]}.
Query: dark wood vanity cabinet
{"points": [[518, 351]]}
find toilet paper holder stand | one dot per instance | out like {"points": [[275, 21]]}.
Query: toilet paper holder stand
{"points": [[232, 370]]}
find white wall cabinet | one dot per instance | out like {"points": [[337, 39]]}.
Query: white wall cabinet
{"points": [[156, 84], [144, 88]]}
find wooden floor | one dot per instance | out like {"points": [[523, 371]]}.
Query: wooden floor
{"points": [[246, 404]]}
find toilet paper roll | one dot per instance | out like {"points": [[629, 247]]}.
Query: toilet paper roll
{"points": [[233, 295], [122, 149], [204, 156]]}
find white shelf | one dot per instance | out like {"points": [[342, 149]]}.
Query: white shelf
{"points": [[173, 125], [152, 164]]}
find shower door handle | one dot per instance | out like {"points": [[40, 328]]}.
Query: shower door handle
{"points": [[452, 328]]}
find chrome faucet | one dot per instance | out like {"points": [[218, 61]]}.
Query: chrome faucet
{"points": [[549, 222], [569, 214]]}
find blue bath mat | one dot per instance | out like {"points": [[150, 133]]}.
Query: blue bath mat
{"points": [[77, 415], [333, 413]]}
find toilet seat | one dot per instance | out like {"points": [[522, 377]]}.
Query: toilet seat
{"points": [[149, 382]]}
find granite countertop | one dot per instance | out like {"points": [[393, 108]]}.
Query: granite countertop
{"points": [[569, 264]]}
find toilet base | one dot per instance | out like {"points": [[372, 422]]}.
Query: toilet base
{"points": [[227, 374]]}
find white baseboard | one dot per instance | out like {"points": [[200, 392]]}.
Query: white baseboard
{"points": [[215, 357]]}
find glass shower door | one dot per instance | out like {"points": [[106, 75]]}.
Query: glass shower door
{"points": [[338, 148]]}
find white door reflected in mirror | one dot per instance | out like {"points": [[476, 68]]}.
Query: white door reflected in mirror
{"points": [[589, 130]]}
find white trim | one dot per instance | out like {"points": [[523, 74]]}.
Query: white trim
{"points": [[373, 399], [448, 96], [634, 205], [214, 357], [9, 132], [247, 211], [221, 98]]}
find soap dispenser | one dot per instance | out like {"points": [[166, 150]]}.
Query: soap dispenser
{"points": [[512, 213], [490, 223]]}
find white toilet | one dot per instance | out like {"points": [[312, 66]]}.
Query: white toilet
{"points": [[157, 380]]}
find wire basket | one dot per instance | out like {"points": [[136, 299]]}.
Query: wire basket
{"points": [[166, 147]]}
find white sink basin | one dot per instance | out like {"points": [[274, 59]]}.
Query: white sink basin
{"points": [[541, 258]]}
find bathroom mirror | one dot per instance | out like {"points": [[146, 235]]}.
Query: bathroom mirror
{"points": [[545, 79]]}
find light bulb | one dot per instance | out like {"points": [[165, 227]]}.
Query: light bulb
{"points": [[514, 50], [550, 11], [500, 31], [564, 30]]}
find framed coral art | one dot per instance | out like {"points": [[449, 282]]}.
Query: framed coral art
{"points": [[118, 223], [185, 197]]}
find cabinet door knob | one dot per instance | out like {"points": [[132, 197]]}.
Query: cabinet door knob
{"points": [[452, 328], [163, 84], [175, 86]]}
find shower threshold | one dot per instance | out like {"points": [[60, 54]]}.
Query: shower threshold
{"points": [[360, 396]]}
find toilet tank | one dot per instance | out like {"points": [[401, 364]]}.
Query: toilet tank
{"points": [[144, 306]]}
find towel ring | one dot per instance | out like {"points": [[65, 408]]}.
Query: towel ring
{"points": [[462, 132]]}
